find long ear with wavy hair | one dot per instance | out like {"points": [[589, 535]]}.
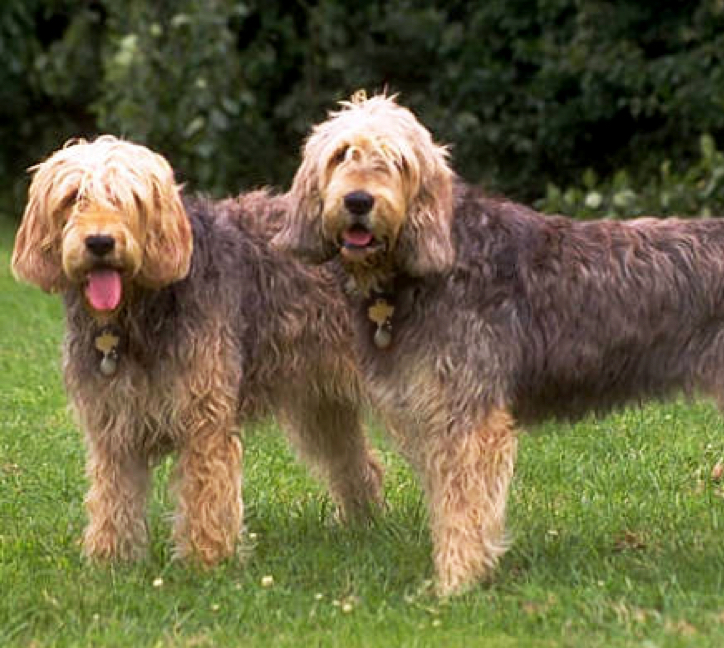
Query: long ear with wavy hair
{"points": [[168, 243], [37, 253], [302, 233], [425, 244]]}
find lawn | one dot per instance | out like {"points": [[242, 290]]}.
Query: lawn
{"points": [[618, 529]]}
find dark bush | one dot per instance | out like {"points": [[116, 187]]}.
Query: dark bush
{"points": [[528, 93]]}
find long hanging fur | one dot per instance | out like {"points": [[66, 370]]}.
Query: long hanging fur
{"points": [[213, 329], [501, 314]]}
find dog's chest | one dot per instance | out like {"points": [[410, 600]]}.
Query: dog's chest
{"points": [[134, 405]]}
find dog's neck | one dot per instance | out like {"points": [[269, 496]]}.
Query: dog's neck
{"points": [[377, 276], [108, 341], [378, 287], [110, 333]]}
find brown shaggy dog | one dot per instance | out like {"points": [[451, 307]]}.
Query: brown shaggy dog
{"points": [[182, 324], [473, 313]]}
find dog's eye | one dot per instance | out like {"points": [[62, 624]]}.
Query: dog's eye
{"points": [[340, 155], [69, 200]]}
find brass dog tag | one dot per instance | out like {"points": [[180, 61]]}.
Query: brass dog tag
{"points": [[107, 343], [380, 312]]}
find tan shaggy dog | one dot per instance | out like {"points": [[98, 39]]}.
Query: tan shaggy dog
{"points": [[473, 313], [182, 325]]}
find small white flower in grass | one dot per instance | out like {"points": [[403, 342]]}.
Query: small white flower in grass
{"points": [[318, 597], [215, 607], [158, 582], [267, 581], [253, 536], [347, 607], [436, 623]]}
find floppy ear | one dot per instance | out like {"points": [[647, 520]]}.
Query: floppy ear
{"points": [[302, 233], [168, 243], [425, 243], [37, 252]]}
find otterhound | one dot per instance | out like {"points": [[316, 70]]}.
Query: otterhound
{"points": [[473, 313], [182, 324]]}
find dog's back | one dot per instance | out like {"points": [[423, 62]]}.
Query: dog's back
{"points": [[589, 315]]}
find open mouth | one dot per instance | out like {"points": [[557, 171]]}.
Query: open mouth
{"points": [[359, 241], [104, 289]]}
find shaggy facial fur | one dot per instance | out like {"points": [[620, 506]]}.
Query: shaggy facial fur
{"points": [[212, 329], [521, 316], [372, 181]]}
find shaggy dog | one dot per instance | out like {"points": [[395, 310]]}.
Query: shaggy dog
{"points": [[182, 324], [474, 313]]}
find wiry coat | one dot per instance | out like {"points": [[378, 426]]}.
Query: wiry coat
{"points": [[546, 316], [539, 316], [245, 334], [474, 313], [276, 321], [209, 329]]}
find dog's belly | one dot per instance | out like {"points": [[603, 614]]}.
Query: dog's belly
{"points": [[577, 381]]}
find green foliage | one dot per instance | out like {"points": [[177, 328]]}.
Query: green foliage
{"points": [[527, 93], [696, 190]]}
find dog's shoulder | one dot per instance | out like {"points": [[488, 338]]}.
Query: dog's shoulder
{"points": [[260, 213], [494, 230]]}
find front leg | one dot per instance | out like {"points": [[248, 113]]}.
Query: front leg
{"points": [[466, 473], [116, 503], [207, 482]]}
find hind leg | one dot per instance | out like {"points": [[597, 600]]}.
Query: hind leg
{"points": [[328, 435]]}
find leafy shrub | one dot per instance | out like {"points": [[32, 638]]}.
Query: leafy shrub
{"points": [[697, 190], [527, 93]]}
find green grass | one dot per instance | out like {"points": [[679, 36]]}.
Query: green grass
{"points": [[618, 536]]}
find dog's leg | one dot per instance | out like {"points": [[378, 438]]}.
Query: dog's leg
{"points": [[207, 476], [466, 473], [116, 504], [207, 482], [328, 435]]}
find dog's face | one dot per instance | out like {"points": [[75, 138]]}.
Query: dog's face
{"points": [[102, 216], [364, 196], [373, 187], [101, 251]]}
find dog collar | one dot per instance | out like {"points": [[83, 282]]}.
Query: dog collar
{"points": [[108, 340], [380, 311]]}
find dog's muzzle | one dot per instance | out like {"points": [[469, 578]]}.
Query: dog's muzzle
{"points": [[358, 241], [100, 244]]}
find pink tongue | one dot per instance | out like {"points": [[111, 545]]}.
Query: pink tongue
{"points": [[104, 289], [357, 237]]}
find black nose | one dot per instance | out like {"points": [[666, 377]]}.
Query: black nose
{"points": [[358, 202], [100, 244]]}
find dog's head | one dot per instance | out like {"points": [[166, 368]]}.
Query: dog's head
{"points": [[372, 186], [102, 215]]}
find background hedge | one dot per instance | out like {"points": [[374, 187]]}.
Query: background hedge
{"points": [[531, 94]]}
